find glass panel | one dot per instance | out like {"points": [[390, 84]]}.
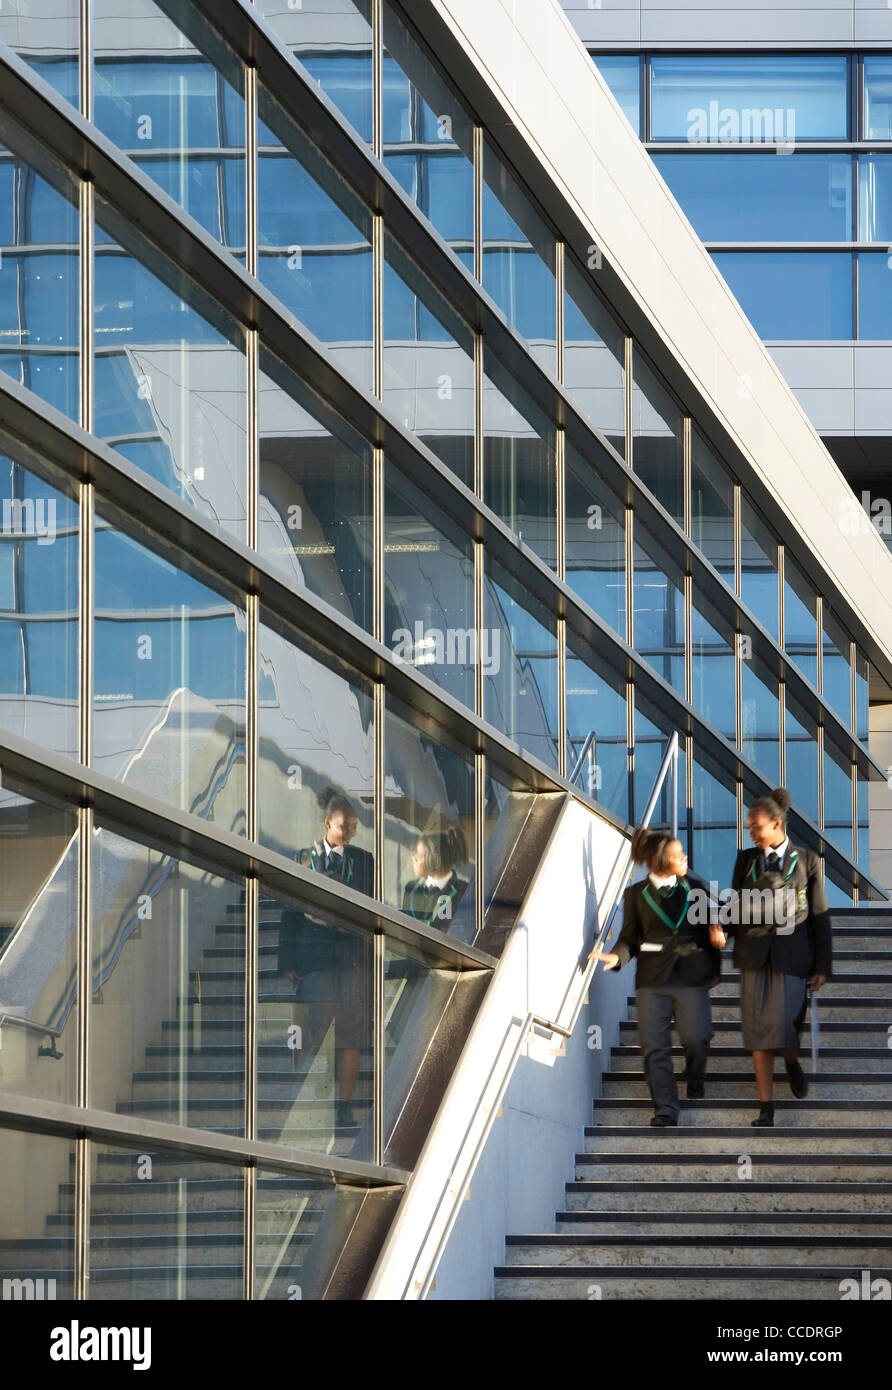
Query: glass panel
{"points": [[657, 448], [429, 867], [758, 563], [594, 357], [596, 703], [171, 377], [313, 241], [519, 460], [792, 295], [518, 260], [417, 995], [714, 826], [622, 74], [749, 97], [837, 894], [39, 294], [761, 716], [333, 40], [507, 803], [172, 100], [838, 800], [836, 667], [314, 1022], [428, 363], [759, 197], [316, 743], [428, 589], [875, 197], [595, 540], [863, 822], [652, 734], [428, 137], [315, 517], [862, 696], [170, 681], [714, 683], [38, 948], [38, 610], [712, 507], [521, 666], [164, 1001], [875, 306], [36, 1217], [303, 1221], [181, 1238], [801, 739], [47, 36], [658, 608], [800, 621], [877, 97]]}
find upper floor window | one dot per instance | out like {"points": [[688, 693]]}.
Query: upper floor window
{"points": [[749, 98]]}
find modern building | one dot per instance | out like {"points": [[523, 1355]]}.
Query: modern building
{"points": [[382, 455]]}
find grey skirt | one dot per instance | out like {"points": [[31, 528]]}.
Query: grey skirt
{"points": [[772, 1007]]}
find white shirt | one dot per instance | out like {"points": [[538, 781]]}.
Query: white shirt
{"points": [[331, 849], [433, 882], [780, 850], [666, 881]]}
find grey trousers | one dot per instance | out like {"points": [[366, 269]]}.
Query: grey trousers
{"points": [[657, 1006]]}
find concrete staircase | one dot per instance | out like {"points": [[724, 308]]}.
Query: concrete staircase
{"points": [[715, 1209]]}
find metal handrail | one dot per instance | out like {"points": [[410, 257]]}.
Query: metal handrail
{"points": [[587, 744], [669, 765]]}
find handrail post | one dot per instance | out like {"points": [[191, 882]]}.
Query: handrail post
{"points": [[673, 793]]}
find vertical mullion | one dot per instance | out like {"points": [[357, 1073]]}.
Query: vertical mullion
{"points": [[562, 697], [377, 79], [479, 838], [378, 941], [478, 203], [737, 536], [249, 1226], [251, 170], [782, 731], [85, 72]]}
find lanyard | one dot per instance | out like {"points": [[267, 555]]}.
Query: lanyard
{"points": [[673, 926]]}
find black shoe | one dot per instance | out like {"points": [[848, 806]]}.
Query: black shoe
{"points": [[663, 1121], [765, 1118], [696, 1090], [797, 1079]]}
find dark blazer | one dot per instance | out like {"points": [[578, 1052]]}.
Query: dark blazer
{"points": [[307, 943], [425, 903], [807, 950], [685, 955]]}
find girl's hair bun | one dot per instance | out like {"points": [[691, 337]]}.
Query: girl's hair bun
{"points": [[782, 798]]}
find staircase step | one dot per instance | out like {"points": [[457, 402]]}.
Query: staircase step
{"points": [[782, 1284], [629, 1059], [740, 1085], [284, 1085], [730, 1140], [849, 985], [851, 1009], [739, 1112], [833, 1032], [645, 1251], [614, 1224], [764, 1197], [804, 1167]]}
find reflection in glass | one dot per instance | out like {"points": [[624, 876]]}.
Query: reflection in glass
{"points": [[315, 515], [875, 197], [877, 97], [173, 102], [838, 800], [800, 621], [314, 241], [519, 260], [658, 607], [302, 1222], [416, 996], [758, 197], [38, 284], [47, 37], [735, 97], [38, 610], [874, 295], [595, 539], [428, 589], [38, 948], [712, 507], [863, 828], [519, 646], [171, 377], [801, 737], [596, 703], [758, 563], [622, 73], [594, 356], [37, 1241], [760, 718], [170, 681], [862, 696], [657, 440], [836, 666], [333, 41], [168, 980], [183, 1240], [792, 296], [652, 734], [518, 460], [713, 678], [714, 826]]}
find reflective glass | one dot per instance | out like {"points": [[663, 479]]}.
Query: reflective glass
{"points": [[652, 733], [165, 1000], [520, 668], [46, 35], [838, 800], [596, 704], [507, 803], [761, 717], [862, 696], [863, 821], [170, 376], [836, 666], [313, 241], [315, 516], [874, 295], [657, 447], [316, 742], [801, 737], [38, 948], [519, 460], [519, 260], [333, 41], [303, 1221], [429, 869], [594, 356], [760, 197], [713, 675], [38, 610], [714, 838], [792, 296], [800, 621], [169, 680], [622, 73], [595, 539], [428, 589], [39, 293], [164, 1226], [427, 363], [875, 197], [173, 102], [314, 1022], [749, 97], [877, 97], [658, 608], [758, 563], [418, 995], [36, 1217], [428, 136], [837, 894], [712, 507]]}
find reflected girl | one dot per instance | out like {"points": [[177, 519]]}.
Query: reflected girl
{"points": [[436, 890]]}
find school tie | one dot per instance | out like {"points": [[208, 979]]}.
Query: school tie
{"points": [[771, 860]]}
